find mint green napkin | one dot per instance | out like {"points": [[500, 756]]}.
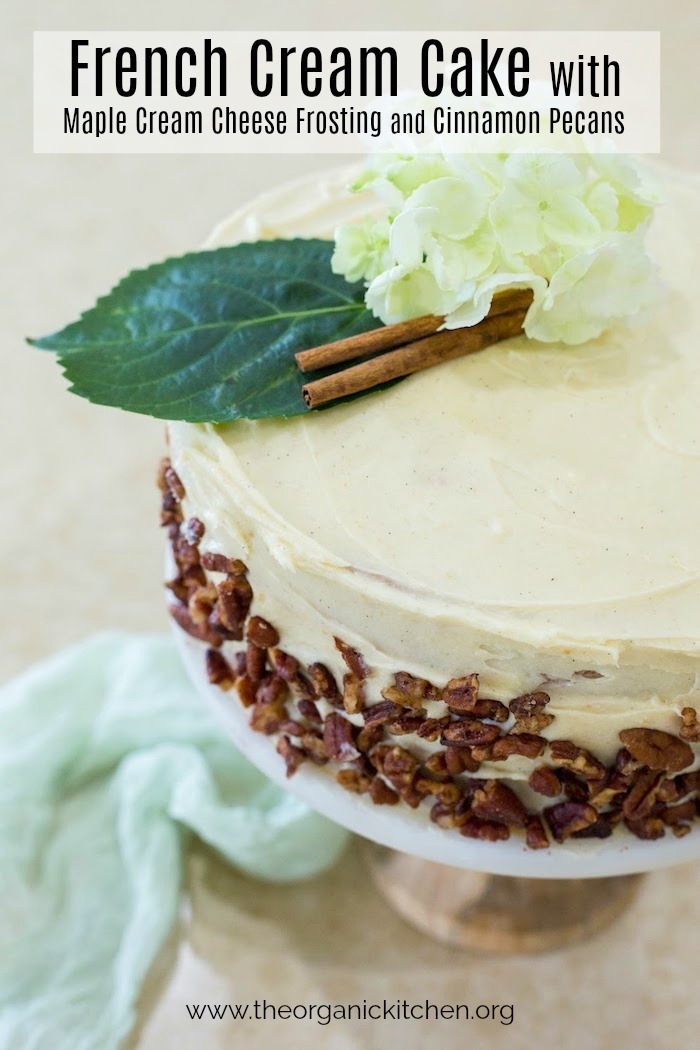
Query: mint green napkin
{"points": [[108, 763]]}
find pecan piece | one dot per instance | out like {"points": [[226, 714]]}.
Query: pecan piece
{"points": [[219, 671], [381, 794], [535, 834], [690, 730], [405, 724], [657, 750], [648, 828], [246, 689], [256, 661], [436, 766], [642, 796], [685, 811], [565, 818], [314, 747], [338, 738], [324, 684], [442, 815], [354, 781], [525, 744], [446, 792], [261, 633], [460, 760], [496, 801], [267, 715], [171, 479], [353, 694], [193, 530], [460, 694], [202, 631], [545, 781], [355, 661], [399, 767], [235, 596], [488, 830], [431, 728], [470, 732], [283, 664], [367, 737], [528, 704], [567, 755], [416, 690], [201, 603], [381, 714], [293, 756], [220, 563], [601, 829]]}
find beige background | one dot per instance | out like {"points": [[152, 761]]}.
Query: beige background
{"points": [[80, 551]]}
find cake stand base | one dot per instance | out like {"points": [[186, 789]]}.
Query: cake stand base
{"points": [[496, 913]]}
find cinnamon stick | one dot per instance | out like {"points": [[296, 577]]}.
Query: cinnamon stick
{"points": [[414, 357], [356, 346]]}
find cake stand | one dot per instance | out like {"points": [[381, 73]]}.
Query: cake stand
{"points": [[494, 896]]}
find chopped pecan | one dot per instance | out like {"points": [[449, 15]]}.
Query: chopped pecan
{"points": [[351, 780], [246, 689], [293, 756], [460, 694], [201, 602], [656, 749], [565, 818], [567, 755], [256, 661], [405, 724], [460, 760], [239, 664], [314, 747], [193, 530], [470, 732], [525, 744], [170, 514], [605, 792], [545, 781], [186, 554], [399, 767], [235, 596], [271, 689], [647, 828], [446, 792], [216, 623], [338, 738], [324, 684], [355, 661], [291, 728], [624, 763], [643, 794], [267, 716], [172, 480], [213, 562], [261, 633], [684, 811], [601, 829], [488, 830], [528, 704], [416, 690], [535, 834], [381, 714], [381, 794], [368, 736], [301, 689], [353, 694], [496, 801], [436, 766], [307, 709], [431, 728], [680, 830], [203, 631], [690, 730], [219, 671], [587, 674], [283, 664]]}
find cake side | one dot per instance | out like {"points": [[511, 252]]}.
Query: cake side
{"points": [[526, 516]]}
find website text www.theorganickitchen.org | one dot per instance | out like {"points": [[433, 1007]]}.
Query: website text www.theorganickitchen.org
{"points": [[324, 1013]]}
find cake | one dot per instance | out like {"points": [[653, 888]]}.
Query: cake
{"points": [[476, 593]]}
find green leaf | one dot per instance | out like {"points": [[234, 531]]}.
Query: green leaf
{"points": [[211, 336]]}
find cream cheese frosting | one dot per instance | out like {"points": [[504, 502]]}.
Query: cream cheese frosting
{"points": [[527, 513]]}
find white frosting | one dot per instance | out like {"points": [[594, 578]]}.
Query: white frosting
{"points": [[525, 512]]}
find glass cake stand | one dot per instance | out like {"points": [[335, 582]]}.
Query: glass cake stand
{"points": [[490, 896]]}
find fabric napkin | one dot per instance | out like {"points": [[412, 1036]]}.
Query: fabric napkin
{"points": [[108, 763]]}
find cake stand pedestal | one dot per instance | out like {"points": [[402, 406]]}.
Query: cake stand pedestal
{"points": [[500, 914]]}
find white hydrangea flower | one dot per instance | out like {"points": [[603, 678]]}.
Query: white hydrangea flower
{"points": [[460, 227]]}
